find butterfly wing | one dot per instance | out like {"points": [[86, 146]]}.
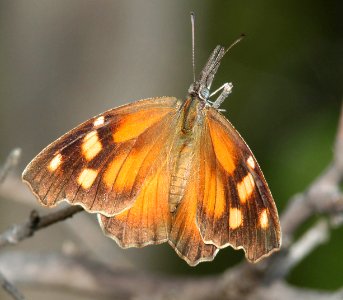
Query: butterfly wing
{"points": [[236, 207], [148, 220], [103, 163]]}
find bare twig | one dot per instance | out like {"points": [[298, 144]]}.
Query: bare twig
{"points": [[19, 232], [319, 199], [15, 191], [315, 236], [311, 239], [89, 277], [10, 288], [11, 161]]}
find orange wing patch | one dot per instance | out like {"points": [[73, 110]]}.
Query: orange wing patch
{"points": [[224, 149], [214, 197], [133, 125], [148, 220], [113, 169]]}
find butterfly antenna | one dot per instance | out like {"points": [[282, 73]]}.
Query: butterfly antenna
{"points": [[193, 43], [214, 61], [218, 55], [242, 36]]}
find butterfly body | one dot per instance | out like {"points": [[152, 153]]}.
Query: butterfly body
{"points": [[183, 149], [164, 169]]}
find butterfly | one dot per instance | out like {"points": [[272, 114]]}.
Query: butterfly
{"points": [[165, 170]]}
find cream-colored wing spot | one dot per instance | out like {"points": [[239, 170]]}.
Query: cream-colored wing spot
{"points": [[263, 218], [87, 177], [91, 145], [251, 162], [55, 162], [235, 218], [99, 121], [245, 188]]}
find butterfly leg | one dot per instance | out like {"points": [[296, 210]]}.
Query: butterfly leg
{"points": [[226, 90]]}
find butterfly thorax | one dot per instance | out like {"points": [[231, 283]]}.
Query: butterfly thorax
{"points": [[183, 149]]}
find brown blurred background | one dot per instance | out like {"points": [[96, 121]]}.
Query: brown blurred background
{"points": [[65, 61]]}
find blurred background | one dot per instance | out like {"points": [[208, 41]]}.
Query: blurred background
{"points": [[63, 62]]}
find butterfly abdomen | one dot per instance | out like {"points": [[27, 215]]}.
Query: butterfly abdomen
{"points": [[184, 153], [180, 174]]}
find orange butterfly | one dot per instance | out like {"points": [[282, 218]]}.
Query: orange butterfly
{"points": [[163, 169]]}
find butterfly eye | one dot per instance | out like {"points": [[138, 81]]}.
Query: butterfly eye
{"points": [[204, 93]]}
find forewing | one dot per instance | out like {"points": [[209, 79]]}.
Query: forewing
{"points": [[236, 207], [102, 163]]}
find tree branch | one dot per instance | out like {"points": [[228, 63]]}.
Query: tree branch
{"points": [[19, 232], [89, 277], [310, 240]]}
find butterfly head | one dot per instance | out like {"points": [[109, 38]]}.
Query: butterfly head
{"points": [[201, 87]]}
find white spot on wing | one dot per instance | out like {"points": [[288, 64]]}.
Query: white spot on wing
{"points": [[55, 162], [245, 188], [264, 219], [87, 177], [235, 219], [91, 145], [99, 121], [251, 162]]}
